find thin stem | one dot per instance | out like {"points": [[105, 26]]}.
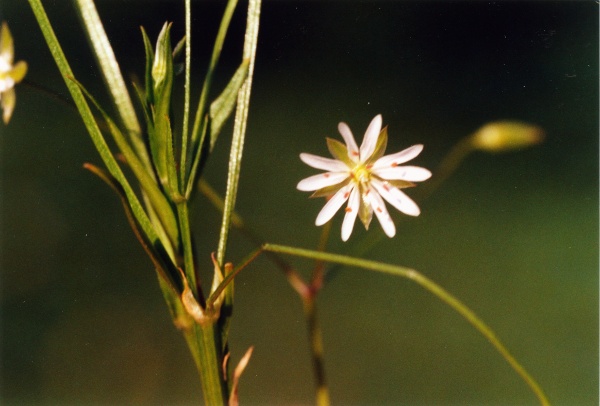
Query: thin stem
{"points": [[223, 28], [430, 286], [189, 267], [449, 164], [239, 125], [293, 277], [318, 274], [316, 349], [186, 100]]}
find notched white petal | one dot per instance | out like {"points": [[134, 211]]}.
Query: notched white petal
{"points": [[399, 157], [409, 173], [351, 213], [382, 214], [370, 140], [333, 205], [321, 180], [326, 164], [397, 198], [349, 140]]}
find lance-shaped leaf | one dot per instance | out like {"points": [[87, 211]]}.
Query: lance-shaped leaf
{"points": [[90, 123], [148, 72], [111, 73], [162, 78], [221, 108], [158, 200]]}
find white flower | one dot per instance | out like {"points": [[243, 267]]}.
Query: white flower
{"points": [[9, 74], [364, 178]]}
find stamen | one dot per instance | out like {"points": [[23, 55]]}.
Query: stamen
{"points": [[348, 209], [326, 175], [379, 210], [394, 164]]}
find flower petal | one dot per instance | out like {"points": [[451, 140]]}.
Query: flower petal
{"points": [[8, 104], [326, 164], [409, 173], [350, 142], [382, 214], [333, 205], [396, 198], [370, 140], [399, 157], [321, 180], [351, 213], [6, 44]]}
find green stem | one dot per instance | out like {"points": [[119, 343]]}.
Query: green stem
{"points": [[316, 349], [186, 100], [90, 122], [189, 268], [430, 286]]}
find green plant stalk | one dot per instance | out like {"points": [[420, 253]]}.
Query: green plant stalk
{"points": [[89, 121], [316, 349], [239, 126], [223, 29], [428, 285], [186, 96], [112, 77]]}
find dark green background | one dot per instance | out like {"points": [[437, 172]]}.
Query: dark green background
{"points": [[515, 236]]}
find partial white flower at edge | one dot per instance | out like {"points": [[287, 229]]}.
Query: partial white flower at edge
{"points": [[364, 178]]}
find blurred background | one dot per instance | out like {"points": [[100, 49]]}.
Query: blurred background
{"points": [[515, 236]]}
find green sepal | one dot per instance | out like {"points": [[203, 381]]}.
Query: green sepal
{"points": [[400, 184], [339, 151], [329, 190], [221, 108], [379, 147], [148, 72], [365, 211], [148, 183], [162, 77]]}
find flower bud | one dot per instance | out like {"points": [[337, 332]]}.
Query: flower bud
{"points": [[503, 136]]}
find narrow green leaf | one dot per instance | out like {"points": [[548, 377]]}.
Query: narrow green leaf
{"points": [[112, 76], [148, 71], [239, 126], [158, 200], [197, 134], [162, 77], [90, 122], [173, 179], [428, 285], [183, 161], [221, 108]]}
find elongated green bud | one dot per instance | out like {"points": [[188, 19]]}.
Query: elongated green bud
{"points": [[503, 136]]}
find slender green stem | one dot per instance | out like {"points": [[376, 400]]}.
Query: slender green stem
{"points": [[430, 286], [449, 164], [316, 349], [239, 125], [294, 279], [189, 268], [223, 28], [90, 122], [204, 343], [186, 100]]}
